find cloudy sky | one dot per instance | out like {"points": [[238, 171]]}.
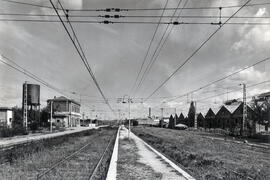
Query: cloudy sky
{"points": [[116, 51]]}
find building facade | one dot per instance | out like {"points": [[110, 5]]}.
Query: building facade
{"points": [[66, 112], [6, 117]]}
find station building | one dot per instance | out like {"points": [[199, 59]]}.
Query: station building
{"points": [[6, 117], [66, 112]]}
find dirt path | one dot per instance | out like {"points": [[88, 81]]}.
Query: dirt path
{"points": [[137, 161]]}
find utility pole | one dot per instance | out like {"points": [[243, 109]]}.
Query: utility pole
{"points": [[83, 118], [25, 106], [51, 115], [195, 118], [175, 117], [162, 109], [161, 119], [244, 107], [129, 101]]}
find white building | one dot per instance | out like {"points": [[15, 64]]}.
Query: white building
{"points": [[6, 117]]}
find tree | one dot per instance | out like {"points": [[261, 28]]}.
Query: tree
{"points": [[191, 114], [180, 119], [44, 116], [171, 122], [17, 117], [261, 107]]}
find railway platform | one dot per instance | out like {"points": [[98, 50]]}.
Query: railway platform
{"points": [[138, 160], [6, 142]]}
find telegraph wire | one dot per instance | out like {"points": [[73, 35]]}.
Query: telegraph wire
{"points": [[149, 46], [195, 52], [82, 58], [153, 58]]}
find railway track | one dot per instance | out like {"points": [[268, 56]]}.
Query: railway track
{"points": [[78, 164]]}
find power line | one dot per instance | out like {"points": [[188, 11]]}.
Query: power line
{"points": [[150, 45], [221, 79], [252, 85], [29, 74], [218, 80], [153, 59], [175, 23], [195, 52], [136, 9], [81, 54], [117, 16], [239, 89], [195, 8], [26, 72]]}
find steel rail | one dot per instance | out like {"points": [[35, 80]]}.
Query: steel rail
{"points": [[61, 161], [92, 175]]}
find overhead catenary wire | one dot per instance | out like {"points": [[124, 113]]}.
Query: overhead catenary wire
{"points": [[221, 79], [195, 52], [29, 74], [116, 16], [149, 46], [85, 62], [135, 9], [248, 86], [239, 89], [159, 47], [175, 23], [216, 81]]}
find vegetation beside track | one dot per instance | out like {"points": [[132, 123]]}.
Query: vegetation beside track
{"points": [[28, 161], [204, 158]]}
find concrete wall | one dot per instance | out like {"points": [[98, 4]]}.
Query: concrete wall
{"points": [[6, 118]]}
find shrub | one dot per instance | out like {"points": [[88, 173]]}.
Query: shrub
{"points": [[5, 132], [135, 123], [9, 132]]}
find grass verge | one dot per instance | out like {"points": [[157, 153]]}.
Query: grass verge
{"points": [[206, 158]]}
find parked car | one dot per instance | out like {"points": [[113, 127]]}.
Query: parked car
{"points": [[180, 126]]}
